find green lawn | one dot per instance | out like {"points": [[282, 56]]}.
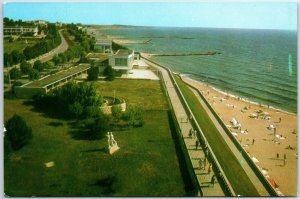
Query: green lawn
{"points": [[143, 93], [18, 45], [146, 164], [231, 166]]}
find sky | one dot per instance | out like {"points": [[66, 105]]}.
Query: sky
{"points": [[250, 15]]}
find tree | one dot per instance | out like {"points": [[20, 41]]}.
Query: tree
{"points": [[116, 111], [76, 109], [7, 59], [49, 65], [25, 67], [38, 65], [93, 73], [109, 72], [17, 57], [33, 74], [98, 127], [18, 132], [15, 73]]}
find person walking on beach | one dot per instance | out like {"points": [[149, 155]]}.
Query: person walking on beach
{"points": [[190, 133], [277, 155], [213, 179], [200, 163], [279, 119], [204, 162], [284, 159], [209, 169], [197, 143], [253, 141]]}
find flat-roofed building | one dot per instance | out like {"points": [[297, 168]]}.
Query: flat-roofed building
{"points": [[104, 45], [50, 82], [122, 60], [20, 30]]}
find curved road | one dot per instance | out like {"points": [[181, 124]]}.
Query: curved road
{"points": [[49, 55]]}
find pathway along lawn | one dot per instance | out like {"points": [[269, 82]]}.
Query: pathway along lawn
{"points": [[145, 165], [234, 172]]}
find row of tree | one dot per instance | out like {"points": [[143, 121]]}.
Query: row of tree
{"points": [[33, 71], [83, 44], [51, 41], [12, 23]]}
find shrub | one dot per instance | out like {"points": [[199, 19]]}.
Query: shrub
{"points": [[92, 112], [25, 67], [38, 65], [76, 109], [134, 116], [49, 65], [110, 73], [18, 132], [33, 74], [15, 73], [93, 73], [116, 111], [97, 127]]}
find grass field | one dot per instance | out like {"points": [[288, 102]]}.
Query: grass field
{"points": [[18, 45], [145, 165], [231, 166]]}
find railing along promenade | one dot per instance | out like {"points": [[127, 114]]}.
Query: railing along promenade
{"points": [[253, 166], [246, 156], [205, 145], [181, 141]]}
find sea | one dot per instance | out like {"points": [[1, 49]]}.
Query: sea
{"points": [[258, 65]]}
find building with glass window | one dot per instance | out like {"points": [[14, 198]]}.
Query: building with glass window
{"points": [[122, 60], [104, 45]]}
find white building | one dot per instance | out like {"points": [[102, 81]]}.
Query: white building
{"points": [[104, 45], [122, 60], [20, 30]]}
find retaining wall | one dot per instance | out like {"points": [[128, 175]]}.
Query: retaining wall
{"points": [[183, 147], [257, 171], [253, 166], [217, 168]]}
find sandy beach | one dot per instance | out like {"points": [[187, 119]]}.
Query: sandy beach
{"points": [[268, 135]]}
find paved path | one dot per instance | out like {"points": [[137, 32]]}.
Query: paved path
{"points": [[59, 49], [204, 178], [49, 55], [252, 176]]}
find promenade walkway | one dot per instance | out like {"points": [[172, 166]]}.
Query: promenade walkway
{"points": [[203, 175], [253, 177]]}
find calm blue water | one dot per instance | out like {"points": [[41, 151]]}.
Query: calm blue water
{"points": [[253, 63]]}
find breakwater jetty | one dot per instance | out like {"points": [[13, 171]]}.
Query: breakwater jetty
{"points": [[186, 54]]}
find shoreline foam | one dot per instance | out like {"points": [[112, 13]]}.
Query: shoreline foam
{"points": [[237, 96], [261, 142]]}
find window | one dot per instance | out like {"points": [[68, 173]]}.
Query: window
{"points": [[121, 62]]}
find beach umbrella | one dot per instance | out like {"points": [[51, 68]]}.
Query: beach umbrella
{"points": [[273, 183]]}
